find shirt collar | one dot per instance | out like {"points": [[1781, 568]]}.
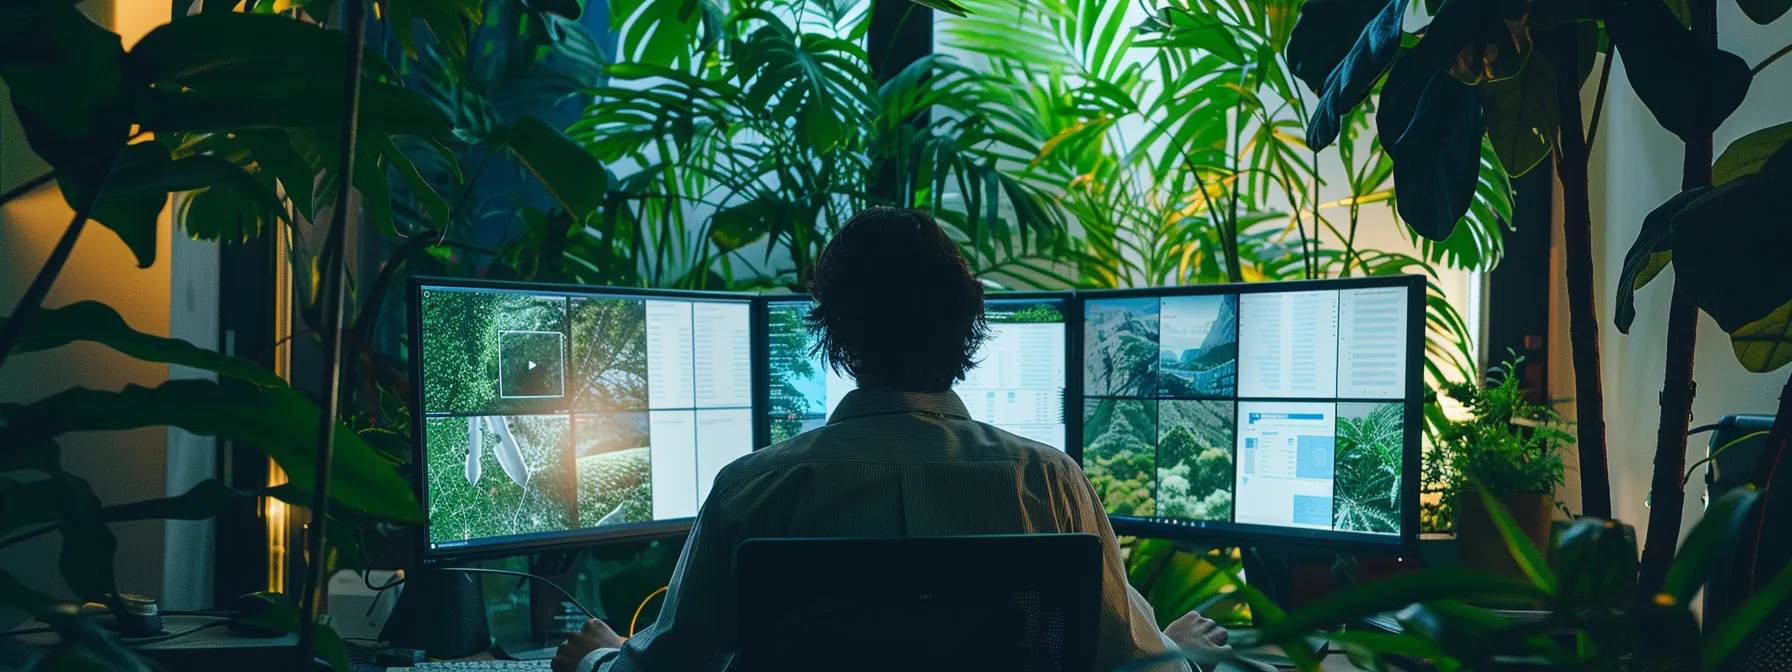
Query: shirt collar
{"points": [[878, 400]]}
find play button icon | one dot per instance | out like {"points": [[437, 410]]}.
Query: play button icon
{"points": [[531, 366]]}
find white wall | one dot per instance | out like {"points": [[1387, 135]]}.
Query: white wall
{"points": [[1636, 166]]}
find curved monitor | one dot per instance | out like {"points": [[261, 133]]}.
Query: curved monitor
{"points": [[554, 414], [1259, 413]]}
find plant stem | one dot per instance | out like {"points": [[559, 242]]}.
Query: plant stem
{"points": [[1605, 78], [1583, 316], [334, 298], [28, 187], [1770, 59], [14, 329], [1767, 464], [1667, 492]]}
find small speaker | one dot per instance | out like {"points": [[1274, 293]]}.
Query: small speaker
{"points": [[440, 612]]}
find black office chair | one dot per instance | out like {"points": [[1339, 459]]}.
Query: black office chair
{"points": [[1769, 649], [1024, 603]]}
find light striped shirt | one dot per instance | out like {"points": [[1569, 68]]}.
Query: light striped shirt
{"points": [[886, 464]]}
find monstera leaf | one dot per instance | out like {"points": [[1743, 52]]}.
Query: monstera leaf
{"points": [[815, 79]]}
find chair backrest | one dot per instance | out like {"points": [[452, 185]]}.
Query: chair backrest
{"points": [[985, 604], [1769, 648]]}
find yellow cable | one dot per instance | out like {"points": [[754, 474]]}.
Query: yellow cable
{"points": [[643, 607]]}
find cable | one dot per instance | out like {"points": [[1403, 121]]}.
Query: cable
{"points": [[526, 575], [643, 607], [139, 641]]}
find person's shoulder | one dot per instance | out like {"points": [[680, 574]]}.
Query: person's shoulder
{"points": [[1031, 450]]}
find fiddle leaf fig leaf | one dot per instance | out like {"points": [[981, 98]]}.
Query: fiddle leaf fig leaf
{"points": [[1749, 153], [1765, 344], [1729, 249], [1434, 123], [1324, 34], [1691, 88], [1763, 11], [1355, 76], [1522, 116], [1479, 41], [1651, 252]]}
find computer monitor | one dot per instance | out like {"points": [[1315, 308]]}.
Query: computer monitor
{"points": [[1017, 385], [555, 414], [1259, 413]]}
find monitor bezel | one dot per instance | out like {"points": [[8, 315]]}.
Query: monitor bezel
{"points": [[1406, 543], [1072, 341], [554, 541]]}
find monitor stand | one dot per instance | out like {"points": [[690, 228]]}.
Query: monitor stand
{"points": [[1271, 570], [440, 612]]}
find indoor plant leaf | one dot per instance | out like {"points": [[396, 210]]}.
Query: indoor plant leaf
{"points": [[1324, 34], [574, 177], [1764, 11], [278, 49], [130, 215], [1749, 153], [65, 75], [1652, 252], [1765, 344], [385, 108], [1522, 117], [1529, 558], [1723, 638], [1479, 41], [1729, 248], [1597, 564], [204, 500], [1353, 78], [1691, 88], [1375, 597], [278, 421], [99, 323], [1710, 542], [1430, 122]]}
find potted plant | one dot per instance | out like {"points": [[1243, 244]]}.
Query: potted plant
{"points": [[1510, 447]]}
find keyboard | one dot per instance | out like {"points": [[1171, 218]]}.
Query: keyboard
{"points": [[484, 666]]}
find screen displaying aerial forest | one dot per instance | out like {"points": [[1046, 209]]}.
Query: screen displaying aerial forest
{"points": [[1165, 438]]}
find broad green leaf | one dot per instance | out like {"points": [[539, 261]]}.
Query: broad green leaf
{"points": [[1394, 593], [273, 151], [1324, 34], [278, 421], [1597, 564], [156, 180], [1764, 11], [65, 76], [1522, 116], [385, 108], [433, 204], [441, 18], [219, 215], [97, 322], [1186, 29], [1765, 344], [1749, 153], [1356, 75], [1690, 87], [24, 598], [224, 47], [1528, 557], [1723, 638], [204, 500], [1478, 41], [132, 215], [1430, 123], [369, 179], [947, 6], [1649, 254], [1730, 249], [572, 175], [1711, 541]]}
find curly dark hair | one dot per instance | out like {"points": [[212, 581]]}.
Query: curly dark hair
{"points": [[894, 303]]}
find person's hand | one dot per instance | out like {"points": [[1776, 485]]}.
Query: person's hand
{"points": [[1194, 632], [595, 635]]}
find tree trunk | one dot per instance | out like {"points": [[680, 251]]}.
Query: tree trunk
{"points": [[1583, 317], [1667, 492]]}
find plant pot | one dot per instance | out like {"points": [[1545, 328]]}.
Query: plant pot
{"points": [[1479, 543]]}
